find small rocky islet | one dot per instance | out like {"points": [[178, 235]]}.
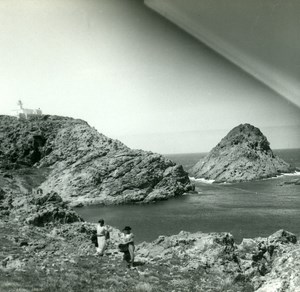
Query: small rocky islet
{"points": [[244, 154], [46, 245]]}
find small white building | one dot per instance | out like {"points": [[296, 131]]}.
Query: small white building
{"points": [[25, 112]]}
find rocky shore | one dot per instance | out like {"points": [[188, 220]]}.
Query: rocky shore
{"points": [[68, 156], [46, 246], [244, 154]]}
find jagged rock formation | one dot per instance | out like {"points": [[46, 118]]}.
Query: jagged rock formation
{"points": [[36, 209], [84, 166], [260, 264], [243, 154]]}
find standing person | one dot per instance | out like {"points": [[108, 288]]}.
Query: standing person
{"points": [[128, 239], [102, 232]]}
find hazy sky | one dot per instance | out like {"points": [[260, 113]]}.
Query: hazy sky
{"points": [[262, 37], [132, 75]]}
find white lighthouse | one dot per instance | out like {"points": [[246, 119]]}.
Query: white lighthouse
{"points": [[25, 112]]}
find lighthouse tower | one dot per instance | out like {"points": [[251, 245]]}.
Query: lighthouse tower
{"points": [[25, 112]]}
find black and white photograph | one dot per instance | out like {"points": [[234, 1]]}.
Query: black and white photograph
{"points": [[149, 145]]}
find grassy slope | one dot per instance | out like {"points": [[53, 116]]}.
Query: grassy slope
{"points": [[67, 263]]}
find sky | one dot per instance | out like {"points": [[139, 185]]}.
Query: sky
{"points": [[132, 75], [262, 37]]}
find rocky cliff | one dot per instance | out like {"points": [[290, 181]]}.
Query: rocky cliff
{"points": [[84, 166], [243, 154]]}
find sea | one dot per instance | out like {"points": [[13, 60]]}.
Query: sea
{"points": [[246, 210]]}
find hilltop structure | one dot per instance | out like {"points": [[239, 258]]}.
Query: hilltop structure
{"points": [[25, 112]]}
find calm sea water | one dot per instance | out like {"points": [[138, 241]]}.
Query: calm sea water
{"points": [[247, 209]]}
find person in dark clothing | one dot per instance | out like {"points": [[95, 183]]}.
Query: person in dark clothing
{"points": [[128, 246]]}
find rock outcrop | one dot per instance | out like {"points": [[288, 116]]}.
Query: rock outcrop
{"points": [[36, 209], [295, 181], [84, 166], [259, 264], [244, 154]]}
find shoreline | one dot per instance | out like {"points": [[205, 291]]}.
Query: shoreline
{"points": [[212, 181]]}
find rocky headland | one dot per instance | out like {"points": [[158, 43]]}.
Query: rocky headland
{"points": [[67, 156], [244, 154], [46, 246]]}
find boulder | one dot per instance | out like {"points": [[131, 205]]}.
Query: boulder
{"points": [[284, 275], [50, 208], [38, 211], [49, 197], [248, 245], [282, 237], [53, 215]]}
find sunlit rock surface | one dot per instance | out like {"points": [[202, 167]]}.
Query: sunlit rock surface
{"points": [[84, 166]]}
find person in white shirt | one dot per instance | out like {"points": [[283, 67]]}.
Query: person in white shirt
{"points": [[101, 237]]}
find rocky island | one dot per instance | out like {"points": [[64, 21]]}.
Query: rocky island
{"points": [[244, 154], [69, 157]]}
